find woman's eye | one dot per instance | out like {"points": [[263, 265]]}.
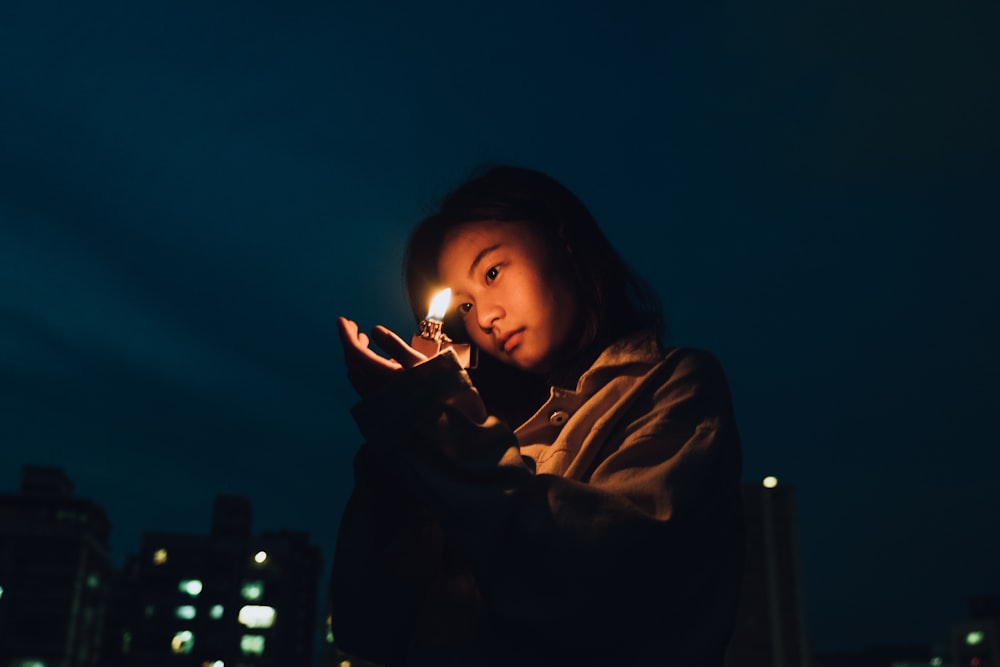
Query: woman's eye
{"points": [[464, 308], [492, 273]]}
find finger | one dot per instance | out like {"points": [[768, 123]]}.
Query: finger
{"points": [[396, 347], [347, 330], [351, 337]]}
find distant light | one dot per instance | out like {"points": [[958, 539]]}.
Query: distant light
{"points": [[93, 581], [260, 557], [182, 642], [186, 611], [256, 616], [217, 663], [252, 590], [159, 557], [1, 591], [936, 661], [770, 482], [190, 586], [252, 644], [345, 663], [974, 637], [216, 611]]}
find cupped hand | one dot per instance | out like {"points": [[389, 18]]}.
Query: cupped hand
{"points": [[367, 369]]}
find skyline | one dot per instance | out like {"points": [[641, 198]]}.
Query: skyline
{"points": [[939, 640]]}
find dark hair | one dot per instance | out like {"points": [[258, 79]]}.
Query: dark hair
{"points": [[616, 301]]}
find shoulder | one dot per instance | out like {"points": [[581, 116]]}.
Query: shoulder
{"points": [[693, 362], [692, 375]]}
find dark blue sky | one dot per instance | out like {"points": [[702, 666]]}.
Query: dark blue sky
{"points": [[191, 193]]}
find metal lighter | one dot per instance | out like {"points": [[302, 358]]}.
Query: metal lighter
{"points": [[431, 339]]}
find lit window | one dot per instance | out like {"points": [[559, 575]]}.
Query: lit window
{"points": [[252, 644], [190, 586], [159, 557], [770, 482], [973, 638], [216, 611], [253, 590], [256, 616], [182, 642], [186, 611], [260, 557]]}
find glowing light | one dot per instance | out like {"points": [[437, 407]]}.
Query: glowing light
{"points": [[260, 557], [216, 611], [190, 586], [975, 637], [770, 482], [252, 590], [439, 305], [159, 557], [252, 644], [182, 642], [217, 663], [257, 616], [186, 611]]}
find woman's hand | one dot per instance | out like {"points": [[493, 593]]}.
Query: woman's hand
{"points": [[366, 369]]}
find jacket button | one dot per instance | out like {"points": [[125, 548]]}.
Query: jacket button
{"points": [[558, 418]]}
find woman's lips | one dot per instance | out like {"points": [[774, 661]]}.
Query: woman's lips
{"points": [[511, 341]]}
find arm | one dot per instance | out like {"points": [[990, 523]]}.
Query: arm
{"points": [[657, 522]]}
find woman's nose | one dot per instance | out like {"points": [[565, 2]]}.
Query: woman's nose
{"points": [[488, 316]]}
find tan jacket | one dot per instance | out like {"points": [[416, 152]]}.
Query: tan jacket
{"points": [[607, 529]]}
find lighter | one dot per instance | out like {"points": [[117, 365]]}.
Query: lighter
{"points": [[431, 339]]}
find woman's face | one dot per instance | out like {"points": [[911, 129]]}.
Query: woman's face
{"points": [[514, 295]]}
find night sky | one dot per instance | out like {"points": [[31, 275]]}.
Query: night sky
{"points": [[191, 193]]}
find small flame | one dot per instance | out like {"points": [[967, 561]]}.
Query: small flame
{"points": [[439, 305]]}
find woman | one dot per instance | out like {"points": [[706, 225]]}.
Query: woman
{"points": [[575, 499]]}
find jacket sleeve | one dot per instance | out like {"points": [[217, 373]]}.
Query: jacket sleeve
{"points": [[650, 543]]}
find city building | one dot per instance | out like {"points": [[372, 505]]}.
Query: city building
{"points": [[55, 574], [771, 626], [976, 641], [228, 598]]}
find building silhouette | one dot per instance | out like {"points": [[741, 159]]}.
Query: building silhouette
{"points": [[975, 642], [227, 597], [771, 627], [55, 574]]}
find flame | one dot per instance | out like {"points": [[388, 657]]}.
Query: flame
{"points": [[439, 305]]}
